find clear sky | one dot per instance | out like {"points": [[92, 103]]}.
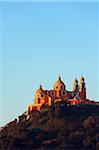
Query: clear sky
{"points": [[39, 41]]}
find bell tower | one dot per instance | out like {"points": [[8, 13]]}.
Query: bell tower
{"points": [[75, 87], [82, 88]]}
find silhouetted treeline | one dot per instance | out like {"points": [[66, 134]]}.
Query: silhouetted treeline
{"points": [[58, 128]]}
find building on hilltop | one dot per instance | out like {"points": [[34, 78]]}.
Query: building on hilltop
{"points": [[60, 93]]}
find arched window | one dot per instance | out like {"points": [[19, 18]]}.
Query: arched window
{"points": [[41, 95], [63, 92], [61, 87], [56, 87]]}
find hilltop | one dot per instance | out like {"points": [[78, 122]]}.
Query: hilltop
{"points": [[66, 128]]}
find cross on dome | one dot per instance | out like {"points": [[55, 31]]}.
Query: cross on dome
{"points": [[59, 78], [40, 87], [59, 84]]}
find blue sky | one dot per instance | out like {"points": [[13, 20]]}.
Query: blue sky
{"points": [[39, 41]]}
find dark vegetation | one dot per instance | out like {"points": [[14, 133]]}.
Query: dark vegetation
{"points": [[58, 128]]}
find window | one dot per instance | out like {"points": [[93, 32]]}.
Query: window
{"points": [[41, 95], [56, 87], [38, 100], [63, 92]]}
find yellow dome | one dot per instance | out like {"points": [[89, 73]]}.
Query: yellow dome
{"points": [[59, 84], [40, 92]]}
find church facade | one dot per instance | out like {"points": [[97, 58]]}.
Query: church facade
{"points": [[60, 93]]}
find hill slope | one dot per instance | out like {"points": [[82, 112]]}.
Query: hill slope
{"points": [[61, 128]]}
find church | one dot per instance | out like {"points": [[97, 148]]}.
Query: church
{"points": [[60, 93]]}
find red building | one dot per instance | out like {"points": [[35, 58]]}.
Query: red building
{"points": [[59, 93]]}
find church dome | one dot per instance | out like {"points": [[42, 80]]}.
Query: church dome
{"points": [[59, 85], [40, 92]]}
